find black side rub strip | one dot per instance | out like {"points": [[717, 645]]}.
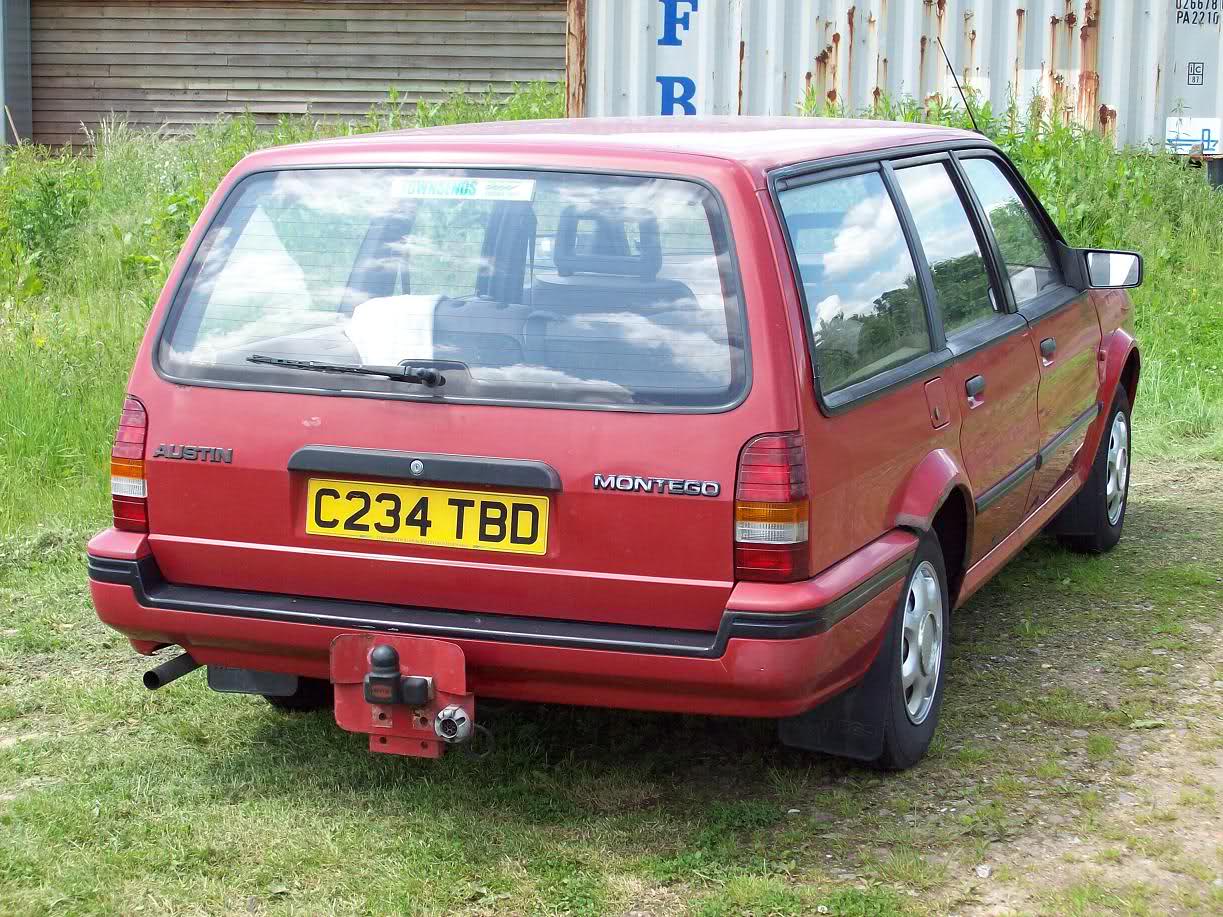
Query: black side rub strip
{"points": [[444, 469], [152, 591], [1007, 484], [1077, 424], [1020, 474]]}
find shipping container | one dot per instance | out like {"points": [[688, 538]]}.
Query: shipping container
{"points": [[1142, 70]]}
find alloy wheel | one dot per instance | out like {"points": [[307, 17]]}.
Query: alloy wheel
{"points": [[921, 643], [1118, 467]]}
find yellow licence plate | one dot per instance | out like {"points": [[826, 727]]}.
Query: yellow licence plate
{"points": [[476, 519]]}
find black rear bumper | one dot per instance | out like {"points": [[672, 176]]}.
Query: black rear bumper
{"points": [[152, 591]]}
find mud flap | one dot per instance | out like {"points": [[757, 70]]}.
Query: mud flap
{"points": [[851, 724], [412, 722]]}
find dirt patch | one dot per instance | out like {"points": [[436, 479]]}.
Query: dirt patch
{"points": [[1163, 830], [1155, 842]]}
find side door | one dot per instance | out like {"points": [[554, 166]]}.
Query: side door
{"points": [[993, 374], [1064, 323]]}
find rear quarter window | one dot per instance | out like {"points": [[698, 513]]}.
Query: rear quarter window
{"points": [[543, 288], [864, 306]]}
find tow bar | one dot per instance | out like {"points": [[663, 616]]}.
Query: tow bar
{"points": [[408, 694]]}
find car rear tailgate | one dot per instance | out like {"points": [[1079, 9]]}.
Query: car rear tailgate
{"points": [[619, 556]]}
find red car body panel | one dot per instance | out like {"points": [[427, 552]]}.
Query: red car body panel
{"points": [[877, 474]]}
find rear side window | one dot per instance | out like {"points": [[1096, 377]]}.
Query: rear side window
{"points": [[961, 280], [533, 287], [1021, 244], [864, 305]]}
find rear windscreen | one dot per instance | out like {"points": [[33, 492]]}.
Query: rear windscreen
{"points": [[536, 287]]}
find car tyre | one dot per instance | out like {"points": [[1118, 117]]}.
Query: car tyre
{"points": [[916, 663], [1091, 522], [311, 694]]}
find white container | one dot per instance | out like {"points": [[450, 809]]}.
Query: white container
{"points": [[1136, 68]]}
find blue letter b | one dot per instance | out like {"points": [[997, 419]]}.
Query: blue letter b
{"points": [[677, 91]]}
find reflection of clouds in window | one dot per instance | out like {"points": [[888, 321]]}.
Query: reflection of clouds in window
{"points": [[260, 271], [834, 307], [892, 277], [957, 267], [870, 229], [280, 330], [530, 374], [858, 278], [955, 242], [934, 203], [701, 275], [347, 193], [688, 349], [828, 308]]}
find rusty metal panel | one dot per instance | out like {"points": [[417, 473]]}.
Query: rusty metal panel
{"points": [[1125, 66]]}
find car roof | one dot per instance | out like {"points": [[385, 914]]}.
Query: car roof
{"points": [[758, 143]]}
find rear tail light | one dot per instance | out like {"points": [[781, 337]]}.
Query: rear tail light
{"points": [[128, 492], [771, 510]]}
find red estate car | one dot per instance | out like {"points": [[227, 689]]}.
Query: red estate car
{"points": [[719, 416]]}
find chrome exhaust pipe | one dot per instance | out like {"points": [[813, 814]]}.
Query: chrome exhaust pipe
{"points": [[169, 671]]}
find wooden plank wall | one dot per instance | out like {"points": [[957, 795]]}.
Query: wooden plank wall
{"points": [[175, 64]]}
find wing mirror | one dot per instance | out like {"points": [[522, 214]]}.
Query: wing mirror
{"points": [[1099, 269], [1113, 270]]}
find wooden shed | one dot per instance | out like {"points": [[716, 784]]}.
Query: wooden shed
{"points": [[181, 62]]}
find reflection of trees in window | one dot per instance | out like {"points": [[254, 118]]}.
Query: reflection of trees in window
{"points": [[872, 342], [962, 286], [1017, 236]]}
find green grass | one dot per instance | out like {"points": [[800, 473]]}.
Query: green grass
{"points": [[184, 801]]}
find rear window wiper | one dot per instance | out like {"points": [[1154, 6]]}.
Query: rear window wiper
{"points": [[404, 372]]}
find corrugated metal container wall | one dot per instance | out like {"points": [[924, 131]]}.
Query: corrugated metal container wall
{"points": [[1120, 62], [181, 62]]}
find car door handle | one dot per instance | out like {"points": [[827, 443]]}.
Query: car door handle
{"points": [[1048, 347], [974, 386]]}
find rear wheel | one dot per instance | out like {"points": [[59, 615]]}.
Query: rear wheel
{"points": [[888, 719], [916, 670], [311, 694], [1091, 522]]}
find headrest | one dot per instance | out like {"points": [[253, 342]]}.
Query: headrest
{"points": [[610, 248]]}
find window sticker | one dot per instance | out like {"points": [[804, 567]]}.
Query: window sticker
{"points": [[449, 188]]}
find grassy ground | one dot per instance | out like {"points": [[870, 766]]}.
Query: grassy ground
{"points": [[1080, 759]]}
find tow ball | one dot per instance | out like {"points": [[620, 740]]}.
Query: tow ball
{"points": [[408, 694]]}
